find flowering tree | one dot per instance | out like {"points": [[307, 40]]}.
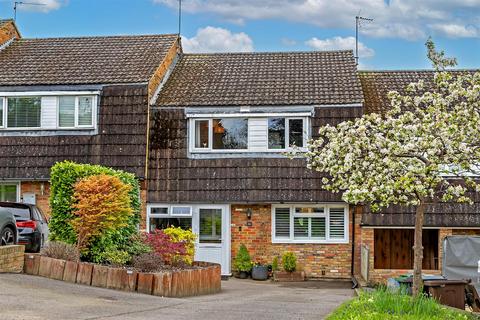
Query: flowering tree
{"points": [[425, 148]]}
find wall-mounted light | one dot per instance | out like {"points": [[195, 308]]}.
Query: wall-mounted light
{"points": [[249, 213]]}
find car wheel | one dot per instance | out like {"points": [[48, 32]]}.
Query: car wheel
{"points": [[7, 237]]}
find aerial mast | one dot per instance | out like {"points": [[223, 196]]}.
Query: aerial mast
{"points": [[358, 22]]}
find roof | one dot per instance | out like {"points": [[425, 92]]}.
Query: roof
{"points": [[236, 79], [83, 60], [377, 84]]}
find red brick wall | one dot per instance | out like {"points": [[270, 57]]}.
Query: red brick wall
{"points": [[317, 260]]}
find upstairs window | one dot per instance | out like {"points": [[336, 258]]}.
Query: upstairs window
{"points": [[310, 223], [248, 134], [29, 111], [221, 134], [286, 132], [75, 112], [24, 112]]}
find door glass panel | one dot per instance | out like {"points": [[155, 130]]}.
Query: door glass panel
{"points": [[210, 226]]}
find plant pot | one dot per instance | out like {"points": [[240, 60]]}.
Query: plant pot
{"points": [[242, 274], [260, 273]]}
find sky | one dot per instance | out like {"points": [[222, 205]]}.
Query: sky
{"points": [[393, 40]]}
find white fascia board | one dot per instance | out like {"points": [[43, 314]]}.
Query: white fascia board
{"points": [[249, 115], [48, 93]]}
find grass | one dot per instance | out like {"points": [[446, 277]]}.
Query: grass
{"points": [[383, 304]]}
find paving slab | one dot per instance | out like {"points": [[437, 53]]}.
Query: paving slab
{"points": [[33, 298]]}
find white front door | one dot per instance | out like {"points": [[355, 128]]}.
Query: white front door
{"points": [[211, 223]]}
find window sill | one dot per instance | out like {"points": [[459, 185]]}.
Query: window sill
{"points": [[251, 154], [310, 241]]}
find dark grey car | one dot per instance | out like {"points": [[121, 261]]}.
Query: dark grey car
{"points": [[8, 228]]}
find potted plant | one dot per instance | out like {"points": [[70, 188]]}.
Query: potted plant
{"points": [[243, 262], [290, 273], [259, 271]]}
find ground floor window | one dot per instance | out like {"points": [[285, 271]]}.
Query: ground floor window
{"points": [[322, 223], [393, 249], [162, 217], [9, 192]]}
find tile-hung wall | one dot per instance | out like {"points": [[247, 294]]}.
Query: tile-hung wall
{"points": [[62, 111]]}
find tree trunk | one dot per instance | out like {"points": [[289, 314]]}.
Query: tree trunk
{"points": [[418, 250]]}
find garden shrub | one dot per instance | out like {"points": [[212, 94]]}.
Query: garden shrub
{"points": [[171, 252], [243, 262], [102, 206], [116, 257], [148, 262], [178, 234], [275, 264], [61, 250], [289, 261], [63, 177]]}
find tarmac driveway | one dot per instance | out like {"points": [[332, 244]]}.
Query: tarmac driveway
{"points": [[29, 297]]}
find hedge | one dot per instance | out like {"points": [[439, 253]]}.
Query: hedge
{"points": [[63, 176]]}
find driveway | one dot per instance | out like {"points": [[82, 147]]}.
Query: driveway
{"points": [[28, 297]]}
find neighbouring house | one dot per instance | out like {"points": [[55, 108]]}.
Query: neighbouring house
{"points": [[84, 99], [219, 131], [388, 236]]}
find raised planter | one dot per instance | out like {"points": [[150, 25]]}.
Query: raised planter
{"points": [[204, 279], [283, 276]]}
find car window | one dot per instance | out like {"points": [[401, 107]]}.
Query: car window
{"points": [[22, 213], [40, 215]]}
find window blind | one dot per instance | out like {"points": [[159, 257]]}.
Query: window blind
{"points": [[337, 223], [66, 112], [24, 112], [282, 222]]}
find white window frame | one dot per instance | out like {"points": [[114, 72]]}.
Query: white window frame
{"points": [[194, 118], [4, 107], [76, 113], [93, 94], [5, 113], [306, 127], [210, 136], [169, 213], [326, 214], [16, 183]]}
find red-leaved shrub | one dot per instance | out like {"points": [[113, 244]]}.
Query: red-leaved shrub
{"points": [[163, 245]]}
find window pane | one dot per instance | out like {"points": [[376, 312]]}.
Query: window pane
{"points": [[163, 223], [230, 133], [181, 210], [276, 133], [282, 222], [1, 112], [85, 111], [159, 210], [309, 210], [210, 225], [201, 134], [318, 228], [300, 227], [295, 128], [337, 223], [8, 192], [66, 112], [24, 112]]}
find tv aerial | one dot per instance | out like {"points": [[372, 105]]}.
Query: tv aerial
{"points": [[16, 4]]}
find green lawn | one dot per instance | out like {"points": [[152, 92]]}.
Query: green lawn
{"points": [[383, 304]]}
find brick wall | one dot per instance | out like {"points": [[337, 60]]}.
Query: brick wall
{"points": [[8, 30], [317, 260], [41, 189], [11, 259], [366, 237]]}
